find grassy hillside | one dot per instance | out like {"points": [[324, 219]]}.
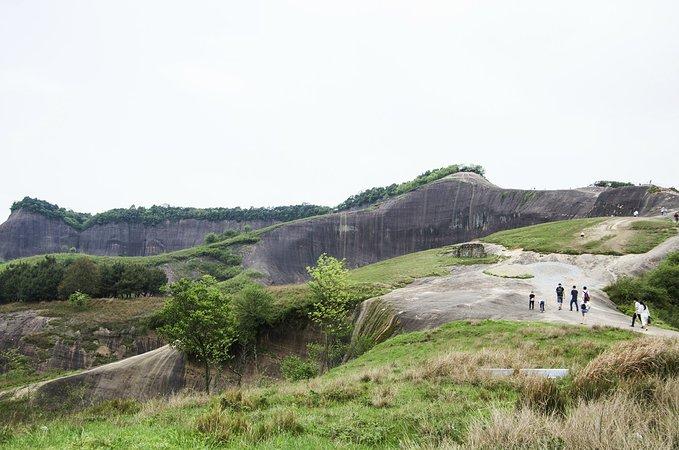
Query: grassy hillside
{"points": [[416, 390], [612, 236]]}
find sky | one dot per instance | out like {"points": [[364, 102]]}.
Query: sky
{"points": [[259, 103]]}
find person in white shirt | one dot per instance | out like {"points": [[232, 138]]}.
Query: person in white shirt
{"points": [[645, 315], [637, 312], [636, 213]]}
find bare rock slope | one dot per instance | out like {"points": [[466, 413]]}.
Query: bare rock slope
{"points": [[458, 208]]}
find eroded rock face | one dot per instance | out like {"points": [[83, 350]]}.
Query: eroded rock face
{"points": [[458, 208], [32, 335], [26, 233]]}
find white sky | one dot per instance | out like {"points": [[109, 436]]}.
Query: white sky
{"points": [[110, 103]]}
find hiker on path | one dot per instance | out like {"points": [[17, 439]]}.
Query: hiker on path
{"points": [[645, 316], [574, 298], [559, 295], [584, 309], [531, 300], [637, 312], [585, 294], [636, 214], [542, 305], [676, 217]]}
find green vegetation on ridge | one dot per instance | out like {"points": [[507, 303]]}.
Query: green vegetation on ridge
{"points": [[377, 194], [158, 214], [565, 236]]}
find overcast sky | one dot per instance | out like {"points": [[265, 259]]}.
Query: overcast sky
{"points": [[227, 103]]}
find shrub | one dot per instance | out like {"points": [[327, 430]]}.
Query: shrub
{"points": [[113, 407], [294, 368], [279, 422], [235, 399], [79, 300], [383, 397], [221, 425]]}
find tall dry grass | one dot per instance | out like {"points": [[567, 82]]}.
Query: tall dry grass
{"points": [[463, 366], [628, 360], [620, 420]]}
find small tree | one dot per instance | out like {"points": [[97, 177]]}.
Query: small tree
{"points": [[81, 275], [252, 310], [198, 322], [330, 311], [79, 300]]}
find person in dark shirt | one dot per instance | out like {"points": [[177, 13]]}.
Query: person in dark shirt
{"points": [[574, 299], [559, 295], [531, 300]]}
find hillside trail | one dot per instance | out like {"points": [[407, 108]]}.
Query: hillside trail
{"points": [[616, 232], [481, 292]]}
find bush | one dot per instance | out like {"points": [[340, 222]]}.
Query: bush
{"points": [[658, 288], [294, 368], [79, 300]]}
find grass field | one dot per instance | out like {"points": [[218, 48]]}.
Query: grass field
{"points": [[416, 390], [564, 237]]}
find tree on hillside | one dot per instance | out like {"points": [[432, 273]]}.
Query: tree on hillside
{"points": [[252, 309], [82, 275], [331, 302], [198, 321]]}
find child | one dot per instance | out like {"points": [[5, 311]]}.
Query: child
{"points": [[584, 308], [531, 300]]}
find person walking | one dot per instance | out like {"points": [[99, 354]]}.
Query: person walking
{"points": [[584, 309], [531, 300], [559, 295], [637, 312], [585, 294], [676, 217], [645, 316], [574, 298], [542, 305]]}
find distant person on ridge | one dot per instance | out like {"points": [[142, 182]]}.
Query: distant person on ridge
{"points": [[559, 295], [637, 312], [531, 300], [574, 298]]}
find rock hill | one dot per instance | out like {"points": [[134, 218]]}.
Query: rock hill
{"points": [[457, 208]]}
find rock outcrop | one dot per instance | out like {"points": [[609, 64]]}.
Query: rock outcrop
{"points": [[458, 208], [27, 233]]}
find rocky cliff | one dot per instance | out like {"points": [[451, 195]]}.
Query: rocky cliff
{"points": [[27, 233], [458, 208]]}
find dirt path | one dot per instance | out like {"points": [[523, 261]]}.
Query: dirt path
{"points": [[469, 293], [614, 233]]}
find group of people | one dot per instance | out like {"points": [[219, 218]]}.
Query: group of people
{"points": [[641, 310], [583, 307]]}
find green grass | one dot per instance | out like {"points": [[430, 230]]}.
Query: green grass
{"points": [[649, 233], [404, 269], [564, 237], [390, 395]]}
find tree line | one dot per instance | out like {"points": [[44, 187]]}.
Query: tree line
{"points": [[51, 279], [377, 194], [158, 214]]}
